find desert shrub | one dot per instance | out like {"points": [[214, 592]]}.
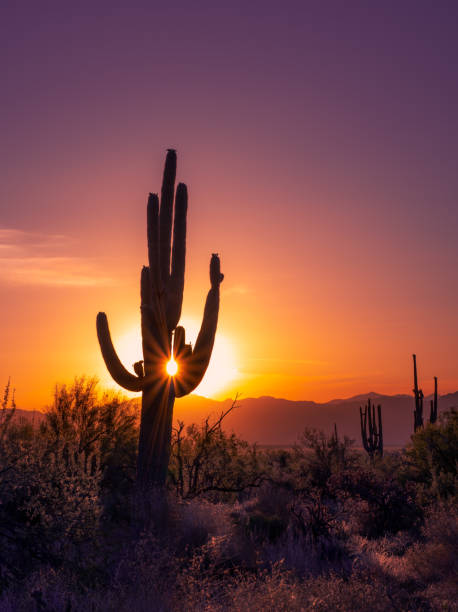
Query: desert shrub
{"points": [[207, 461], [7, 410], [432, 456], [308, 515], [55, 482], [433, 558], [272, 589], [97, 424], [50, 507], [311, 528], [318, 456], [145, 575], [266, 517], [378, 505], [315, 517], [363, 590], [204, 586], [12, 428], [300, 528]]}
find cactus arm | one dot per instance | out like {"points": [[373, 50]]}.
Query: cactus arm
{"points": [[152, 225], [165, 216], [371, 431], [176, 282], [363, 428], [415, 378], [433, 415], [418, 393], [206, 337], [118, 372], [435, 394], [195, 366], [369, 411], [380, 431]]}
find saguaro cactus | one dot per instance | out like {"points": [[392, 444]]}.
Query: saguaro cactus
{"points": [[161, 290], [418, 393], [433, 413], [371, 434]]}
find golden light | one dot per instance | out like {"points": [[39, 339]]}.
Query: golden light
{"points": [[129, 348], [172, 367], [220, 375], [222, 370]]}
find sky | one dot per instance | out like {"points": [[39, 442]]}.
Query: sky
{"points": [[319, 143]]}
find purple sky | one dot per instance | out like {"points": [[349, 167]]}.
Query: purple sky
{"points": [[366, 90], [320, 141]]}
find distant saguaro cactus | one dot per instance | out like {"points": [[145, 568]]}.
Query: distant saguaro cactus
{"points": [[161, 289], [418, 393], [433, 413], [371, 433]]}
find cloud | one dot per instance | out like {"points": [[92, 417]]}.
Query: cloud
{"points": [[19, 241], [31, 258]]}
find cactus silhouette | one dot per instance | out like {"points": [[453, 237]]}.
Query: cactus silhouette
{"points": [[371, 434], [418, 393], [433, 412], [161, 291]]}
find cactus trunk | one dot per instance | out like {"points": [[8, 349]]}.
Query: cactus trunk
{"points": [[155, 435], [371, 432], [161, 291]]}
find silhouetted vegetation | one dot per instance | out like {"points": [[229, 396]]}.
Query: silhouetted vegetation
{"points": [[371, 431], [318, 526], [433, 411], [418, 394]]}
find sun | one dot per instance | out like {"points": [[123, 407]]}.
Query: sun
{"points": [[172, 367], [221, 372]]}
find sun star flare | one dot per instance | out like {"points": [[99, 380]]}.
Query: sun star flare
{"points": [[172, 367]]}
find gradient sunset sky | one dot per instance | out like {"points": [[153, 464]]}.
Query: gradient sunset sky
{"points": [[319, 142]]}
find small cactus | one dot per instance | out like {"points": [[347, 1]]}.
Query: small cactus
{"points": [[161, 289], [371, 433]]}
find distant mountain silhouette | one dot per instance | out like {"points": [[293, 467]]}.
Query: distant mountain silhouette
{"points": [[34, 417], [270, 420]]}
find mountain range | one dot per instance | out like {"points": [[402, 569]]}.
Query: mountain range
{"points": [[274, 421], [279, 422]]}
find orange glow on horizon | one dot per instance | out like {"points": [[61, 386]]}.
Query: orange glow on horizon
{"points": [[222, 378], [339, 255], [294, 323]]}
